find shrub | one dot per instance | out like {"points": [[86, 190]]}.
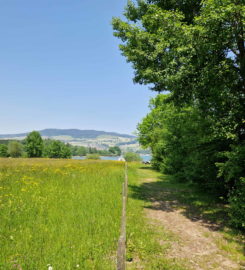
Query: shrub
{"points": [[56, 149], [93, 156], [130, 156], [233, 172], [237, 206], [3, 150], [15, 149]]}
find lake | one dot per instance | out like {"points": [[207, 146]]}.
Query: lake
{"points": [[144, 157]]}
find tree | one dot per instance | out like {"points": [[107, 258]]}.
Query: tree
{"points": [[183, 144], [3, 150], [15, 149], [200, 60], [65, 151], [34, 144], [195, 50], [115, 150], [56, 149]]}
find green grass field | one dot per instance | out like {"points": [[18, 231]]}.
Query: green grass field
{"points": [[65, 214]]}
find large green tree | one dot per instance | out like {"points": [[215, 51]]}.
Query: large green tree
{"points": [[183, 143], [34, 144], [195, 51]]}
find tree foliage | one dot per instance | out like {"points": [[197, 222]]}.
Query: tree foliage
{"points": [[34, 144], [3, 150], [56, 149], [195, 50], [200, 60], [115, 150]]}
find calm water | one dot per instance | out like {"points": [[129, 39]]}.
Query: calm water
{"points": [[144, 157]]}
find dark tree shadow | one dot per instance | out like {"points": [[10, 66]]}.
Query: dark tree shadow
{"points": [[166, 194], [145, 167], [193, 202]]}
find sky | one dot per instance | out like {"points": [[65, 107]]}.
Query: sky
{"points": [[60, 67]]}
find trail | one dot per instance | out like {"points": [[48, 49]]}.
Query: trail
{"points": [[196, 240]]}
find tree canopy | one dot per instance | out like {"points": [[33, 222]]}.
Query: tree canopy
{"points": [[195, 51], [56, 149], [34, 144]]}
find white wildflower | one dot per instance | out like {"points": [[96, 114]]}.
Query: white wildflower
{"points": [[50, 267]]}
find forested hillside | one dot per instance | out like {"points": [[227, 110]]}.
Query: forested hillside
{"points": [[74, 133], [87, 138], [194, 51]]}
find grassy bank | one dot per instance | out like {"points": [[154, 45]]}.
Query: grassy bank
{"points": [[62, 213]]}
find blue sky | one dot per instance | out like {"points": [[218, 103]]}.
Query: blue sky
{"points": [[60, 67]]}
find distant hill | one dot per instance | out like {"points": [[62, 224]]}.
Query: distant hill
{"points": [[88, 138], [74, 133]]}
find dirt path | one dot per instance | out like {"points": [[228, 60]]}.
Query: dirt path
{"points": [[196, 243]]}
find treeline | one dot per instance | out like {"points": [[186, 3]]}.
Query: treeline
{"points": [[35, 146], [83, 151], [194, 50]]}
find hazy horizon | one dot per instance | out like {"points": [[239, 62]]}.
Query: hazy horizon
{"points": [[49, 128]]}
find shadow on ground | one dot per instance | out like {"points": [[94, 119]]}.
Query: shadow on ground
{"points": [[193, 203], [166, 194]]}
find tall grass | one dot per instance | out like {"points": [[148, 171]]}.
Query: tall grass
{"points": [[60, 213]]}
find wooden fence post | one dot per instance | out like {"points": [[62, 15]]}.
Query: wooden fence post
{"points": [[121, 251]]}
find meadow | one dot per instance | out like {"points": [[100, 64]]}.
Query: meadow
{"points": [[59, 214]]}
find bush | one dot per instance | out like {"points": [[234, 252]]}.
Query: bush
{"points": [[3, 150], [56, 149], [115, 150], [233, 172], [237, 206], [93, 156], [15, 149], [130, 156]]}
